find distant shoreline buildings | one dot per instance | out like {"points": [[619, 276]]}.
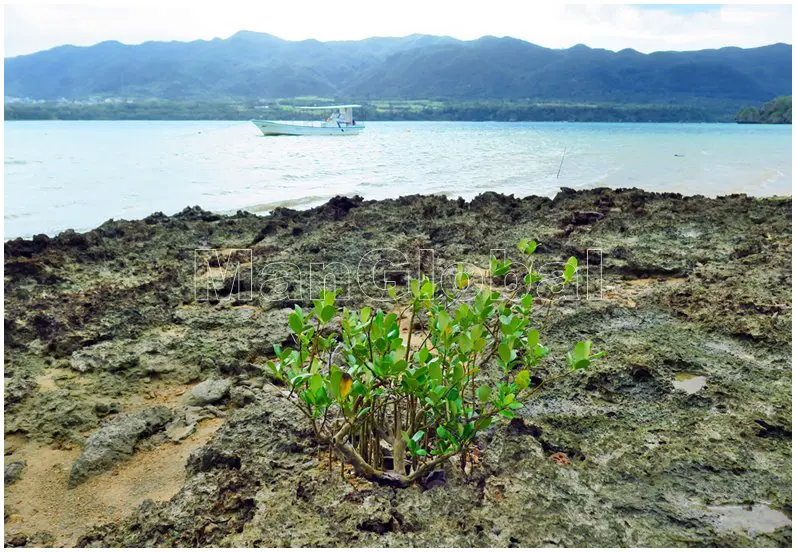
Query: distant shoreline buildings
{"points": [[67, 101]]}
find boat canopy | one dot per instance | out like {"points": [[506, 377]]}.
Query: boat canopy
{"points": [[346, 111]]}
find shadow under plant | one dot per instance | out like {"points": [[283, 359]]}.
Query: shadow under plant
{"points": [[680, 436]]}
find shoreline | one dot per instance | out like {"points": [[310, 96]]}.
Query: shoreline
{"points": [[254, 210], [687, 418]]}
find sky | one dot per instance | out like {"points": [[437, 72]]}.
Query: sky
{"points": [[34, 26]]}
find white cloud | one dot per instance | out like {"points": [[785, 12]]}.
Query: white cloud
{"points": [[33, 27]]}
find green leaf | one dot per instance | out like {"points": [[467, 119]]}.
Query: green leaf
{"points": [[334, 383], [358, 389], [523, 379], [443, 319], [462, 312], [298, 379], [462, 279], [483, 393], [483, 423], [320, 396], [527, 246], [582, 350], [275, 370], [364, 314], [458, 373], [570, 268], [479, 344], [581, 364], [499, 268], [423, 354], [417, 436], [504, 352], [446, 435], [316, 382], [533, 338], [435, 371], [465, 343], [327, 313], [296, 323]]}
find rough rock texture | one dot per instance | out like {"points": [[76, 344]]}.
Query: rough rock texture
{"points": [[116, 441], [209, 392], [13, 471], [185, 421], [617, 456], [35, 540]]}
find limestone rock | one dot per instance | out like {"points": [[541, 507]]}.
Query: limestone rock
{"points": [[13, 471], [116, 440], [209, 392]]}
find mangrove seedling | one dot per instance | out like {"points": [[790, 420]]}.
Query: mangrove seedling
{"points": [[396, 402]]}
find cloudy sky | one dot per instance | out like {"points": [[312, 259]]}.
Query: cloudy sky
{"points": [[31, 26]]}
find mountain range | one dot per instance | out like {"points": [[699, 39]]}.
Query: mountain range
{"points": [[256, 65]]}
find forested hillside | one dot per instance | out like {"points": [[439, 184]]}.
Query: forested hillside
{"points": [[776, 111], [253, 65]]}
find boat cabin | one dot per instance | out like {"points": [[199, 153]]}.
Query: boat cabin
{"points": [[342, 114]]}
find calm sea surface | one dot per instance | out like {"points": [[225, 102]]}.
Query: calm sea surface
{"points": [[61, 175]]}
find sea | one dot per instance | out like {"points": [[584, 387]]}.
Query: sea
{"points": [[78, 174]]}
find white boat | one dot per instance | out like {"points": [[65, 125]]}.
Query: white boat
{"points": [[340, 123]]}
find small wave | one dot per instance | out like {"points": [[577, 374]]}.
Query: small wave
{"points": [[15, 216], [769, 175], [306, 202]]}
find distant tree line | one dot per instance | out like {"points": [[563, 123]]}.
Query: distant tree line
{"points": [[776, 111], [486, 110]]}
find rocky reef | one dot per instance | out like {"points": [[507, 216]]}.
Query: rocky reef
{"points": [[135, 353]]}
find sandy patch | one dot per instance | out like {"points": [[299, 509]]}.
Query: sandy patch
{"points": [[41, 502]]}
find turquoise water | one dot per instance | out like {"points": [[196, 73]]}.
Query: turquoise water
{"points": [[61, 174]]}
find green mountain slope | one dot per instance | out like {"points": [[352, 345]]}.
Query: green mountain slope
{"points": [[255, 65]]}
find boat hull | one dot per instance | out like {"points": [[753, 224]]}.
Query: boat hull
{"points": [[271, 128]]}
